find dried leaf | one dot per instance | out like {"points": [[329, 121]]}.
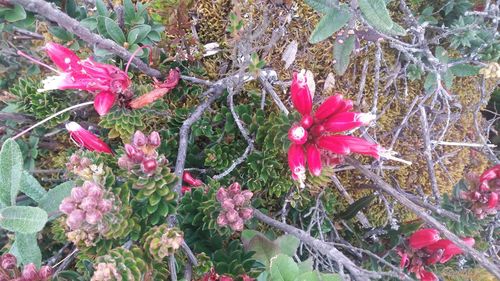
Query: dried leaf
{"points": [[310, 82], [148, 98], [290, 53], [329, 82]]}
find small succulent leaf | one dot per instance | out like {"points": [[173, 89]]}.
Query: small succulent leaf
{"points": [[23, 219], [330, 23]]}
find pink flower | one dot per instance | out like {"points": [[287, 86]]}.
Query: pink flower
{"points": [[30, 272], [189, 179], [493, 200], [103, 79], [448, 248], [185, 189], [490, 174], [87, 139], [75, 219], [427, 276], [154, 139], [321, 132], [423, 238]]}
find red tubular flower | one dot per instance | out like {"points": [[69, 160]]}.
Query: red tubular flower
{"points": [[330, 106], [192, 181], [490, 174], [344, 145], [423, 238], [347, 121], [64, 58], [86, 138], [493, 200], [448, 248], [313, 159], [301, 95], [297, 134], [103, 102], [296, 161]]}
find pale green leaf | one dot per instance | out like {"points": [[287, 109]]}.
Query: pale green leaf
{"points": [[288, 244], [15, 14], [342, 53], [26, 249], [51, 201], [308, 276], [31, 187], [23, 219], [322, 6], [11, 169], [114, 31], [464, 70], [377, 15], [138, 33], [283, 268], [329, 24]]}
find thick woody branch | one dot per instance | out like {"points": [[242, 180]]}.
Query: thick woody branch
{"points": [[477, 256]]}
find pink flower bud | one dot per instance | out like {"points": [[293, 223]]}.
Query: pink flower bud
{"points": [[246, 213], [77, 194], [103, 102], [75, 219], [423, 238], [185, 189], [154, 139], [45, 272], [239, 200], [493, 200], [228, 204], [247, 194], [30, 272], [237, 225], [225, 278], [74, 159], [490, 174], [313, 159], [300, 93], [139, 139], [297, 134], [329, 107], [95, 192], [232, 216], [317, 130], [88, 203], [130, 150], [221, 194], [296, 161], [221, 220], [233, 189], [8, 261], [138, 156], [85, 162], [93, 216], [67, 205], [105, 205], [149, 166], [189, 179]]}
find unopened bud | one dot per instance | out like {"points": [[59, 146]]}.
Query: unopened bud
{"points": [[239, 200], [67, 206], [227, 204], [105, 205], [75, 219], [149, 166], [93, 216], [221, 194], [78, 194], [221, 220], [139, 139], [246, 213], [88, 203], [234, 188], [9, 261], [247, 194], [154, 139], [95, 192], [237, 225], [45, 272], [130, 150], [232, 216], [30, 272]]}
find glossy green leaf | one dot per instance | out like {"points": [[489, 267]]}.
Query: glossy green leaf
{"points": [[11, 169], [342, 54], [330, 23], [114, 31], [23, 219]]}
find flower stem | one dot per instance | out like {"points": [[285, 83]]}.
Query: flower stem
{"points": [[51, 117], [135, 53]]}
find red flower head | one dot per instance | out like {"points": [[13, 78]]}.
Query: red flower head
{"points": [[447, 249], [102, 79], [423, 238], [87, 139], [319, 133]]}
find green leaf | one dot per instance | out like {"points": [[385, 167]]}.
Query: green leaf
{"points": [[441, 54], [355, 207], [51, 201], [263, 248], [430, 82], [26, 249], [283, 268], [15, 14], [288, 244], [329, 24], [31, 187], [68, 276], [308, 276], [129, 11], [114, 31], [330, 277], [23, 219], [11, 169], [61, 33], [90, 23], [306, 265], [342, 53], [377, 15], [138, 33], [448, 79], [464, 70], [102, 10], [322, 6]]}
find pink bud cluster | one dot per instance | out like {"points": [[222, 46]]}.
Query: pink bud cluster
{"points": [[141, 154], [86, 208], [236, 207], [484, 196], [10, 272], [106, 271], [425, 247]]}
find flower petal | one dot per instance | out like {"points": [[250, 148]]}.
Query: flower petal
{"points": [[423, 238], [313, 159], [301, 96], [63, 57], [490, 174], [86, 138], [296, 161], [346, 144], [103, 102], [329, 107], [331, 143], [345, 121], [493, 200]]}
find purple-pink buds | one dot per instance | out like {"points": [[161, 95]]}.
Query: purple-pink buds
{"points": [[154, 139], [235, 205], [149, 166], [139, 139], [8, 261]]}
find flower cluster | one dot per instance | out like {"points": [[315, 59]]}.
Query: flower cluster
{"points": [[86, 139], [236, 207], [213, 276], [105, 80], [9, 270], [141, 154], [484, 196], [86, 208], [106, 271], [190, 182], [84, 168], [425, 247], [321, 131]]}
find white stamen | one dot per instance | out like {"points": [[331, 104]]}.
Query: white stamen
{"points": [[365, 118], [300, 172], [52, 82], [298, 133], [67, 60]]}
